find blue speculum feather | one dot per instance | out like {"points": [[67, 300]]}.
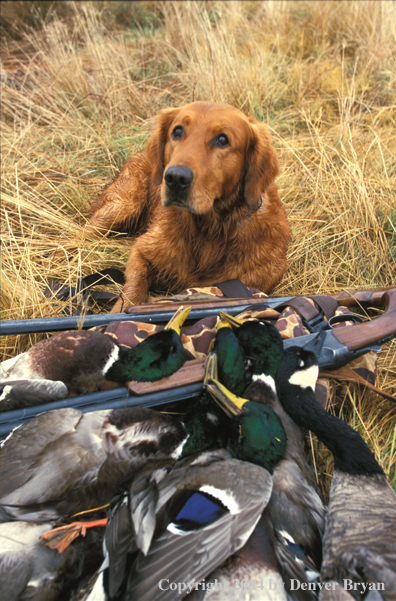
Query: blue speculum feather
{"points": [[199, 511]]}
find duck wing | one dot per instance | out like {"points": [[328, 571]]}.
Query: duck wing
{"points": [[20, 452], [24, 563], [251, 574], [21, 392], [196, 515], [63, 461], [45, 457], [295, 507]]}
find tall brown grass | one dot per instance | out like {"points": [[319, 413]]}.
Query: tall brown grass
{"points": [[83, 81]]}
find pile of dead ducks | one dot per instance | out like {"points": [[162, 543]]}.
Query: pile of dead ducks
{"points": [[220, 503]]}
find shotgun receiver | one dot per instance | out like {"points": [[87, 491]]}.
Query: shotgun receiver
{"points": [[340, 345]]}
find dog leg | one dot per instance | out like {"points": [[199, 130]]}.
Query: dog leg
{"points": [[127, 201], [124, 205], [138, 280]]}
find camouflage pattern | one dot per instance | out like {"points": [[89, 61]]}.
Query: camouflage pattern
{"points": [[324, 391], [198, 339], [366, 367], [129, 333], [206, 294], [290, 324]]}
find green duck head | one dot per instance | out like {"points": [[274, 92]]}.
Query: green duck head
{"points": [[257, 433], [261, 342], [156, 357], [230, 358]]}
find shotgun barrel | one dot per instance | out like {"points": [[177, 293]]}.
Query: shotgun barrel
{"points": [[341, 345], [160, 312]]}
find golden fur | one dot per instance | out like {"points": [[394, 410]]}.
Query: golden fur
{"points": [[203, 194]]}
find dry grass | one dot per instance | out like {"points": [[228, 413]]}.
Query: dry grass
{"points": [[82, 83]]}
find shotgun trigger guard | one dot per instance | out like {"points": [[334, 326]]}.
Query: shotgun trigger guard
{"points": [[348, 317]]}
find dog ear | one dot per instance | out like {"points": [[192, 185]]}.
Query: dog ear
{"points": [[155, 148], [262, 164]]}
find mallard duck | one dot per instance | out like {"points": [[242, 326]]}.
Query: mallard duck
{"points": [[252, 573], [230, 358], [177, 524], [359, 546], [261, 342], [78, 361], [210, 424], [296, 509], [63, 461]]}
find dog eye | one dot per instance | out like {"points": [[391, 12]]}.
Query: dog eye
{"points": [[177, 132], [222, 140]]}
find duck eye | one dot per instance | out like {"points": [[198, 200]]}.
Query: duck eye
{"points": [[177, 132], [222, 141], [301, 363]]}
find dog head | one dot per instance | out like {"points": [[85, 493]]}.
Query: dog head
{"points": [[206, 154]]}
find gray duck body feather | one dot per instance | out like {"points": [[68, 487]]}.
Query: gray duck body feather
{"points": [[360, 537], [63, 461], [140, 524], [296, 508]]}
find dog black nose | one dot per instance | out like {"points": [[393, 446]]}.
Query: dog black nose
{"points": [[178, 178]]}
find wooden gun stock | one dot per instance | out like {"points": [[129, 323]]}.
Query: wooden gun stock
{"points": [[377, 331], [365, 298]]}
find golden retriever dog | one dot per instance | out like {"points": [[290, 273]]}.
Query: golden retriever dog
{"points": [[202, 197]]}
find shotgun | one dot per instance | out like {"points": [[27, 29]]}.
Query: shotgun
{"points": [[340, 346], [161, 312]]}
